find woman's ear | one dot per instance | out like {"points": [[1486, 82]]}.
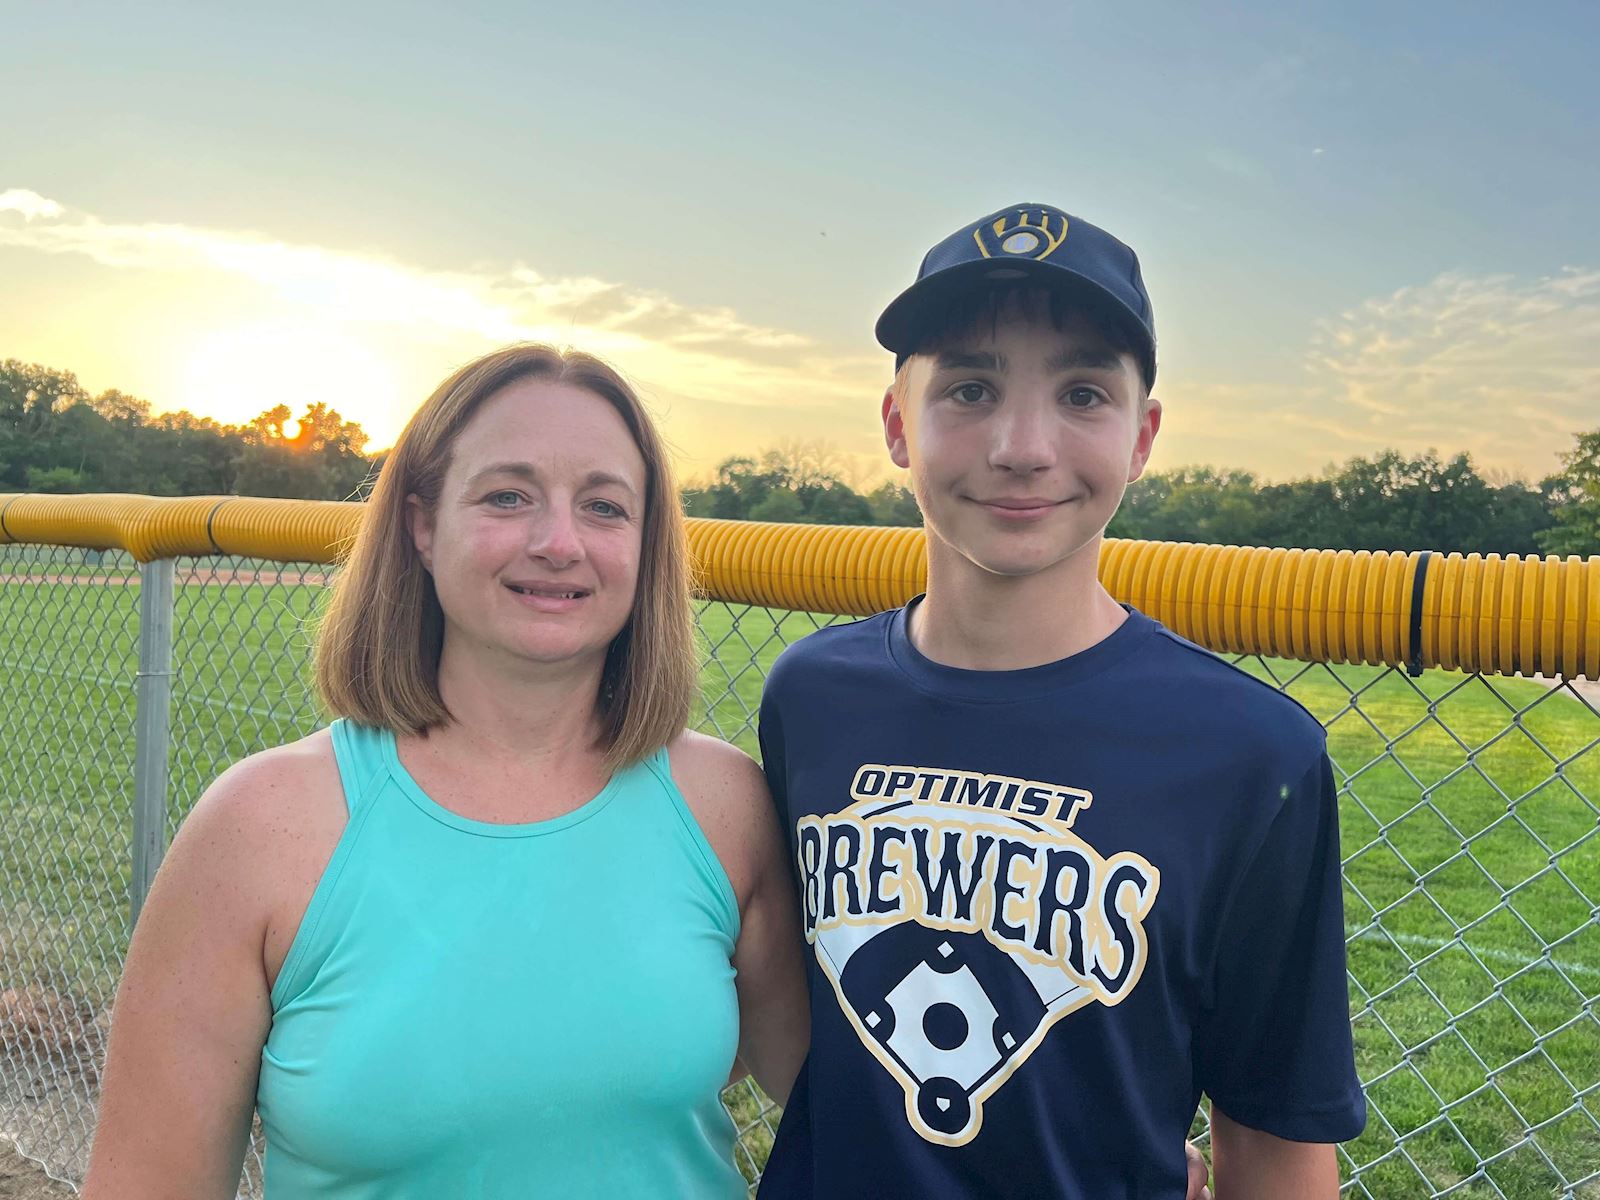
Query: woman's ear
{"points": [[419, 523]]}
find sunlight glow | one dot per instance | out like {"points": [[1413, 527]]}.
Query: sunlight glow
{"points": [[234, 374]]}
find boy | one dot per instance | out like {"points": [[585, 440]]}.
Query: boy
{"points": [[1061, 871]]}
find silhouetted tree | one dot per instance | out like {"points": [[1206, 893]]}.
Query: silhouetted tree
{"points": [[1573, 500]]}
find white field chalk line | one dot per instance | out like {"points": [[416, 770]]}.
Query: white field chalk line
{"points": [[180, 699], [1503, 956]]}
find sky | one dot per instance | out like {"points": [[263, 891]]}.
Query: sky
{"points": [[1363, 225]]}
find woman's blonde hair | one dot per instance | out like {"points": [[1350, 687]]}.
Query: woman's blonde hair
{"points": [[377, 649]]}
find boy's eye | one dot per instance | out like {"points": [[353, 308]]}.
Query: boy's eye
{"points": [[1083, 397], [969, 393]]}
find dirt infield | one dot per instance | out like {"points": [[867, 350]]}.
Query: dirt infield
{"points": [[21, 1179], [191, 576]]}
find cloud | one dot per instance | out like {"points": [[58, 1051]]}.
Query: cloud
{"points": [[1275, 431], [28, 204], [1503, 367], [365, 287], [694, 359]]}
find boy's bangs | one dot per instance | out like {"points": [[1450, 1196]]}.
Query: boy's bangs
{"points": [[979, 313]]}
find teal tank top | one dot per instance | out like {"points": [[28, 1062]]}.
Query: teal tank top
{"points": [[482, 1011]]}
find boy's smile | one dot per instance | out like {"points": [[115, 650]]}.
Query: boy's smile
{"points": [[1021, 437]]}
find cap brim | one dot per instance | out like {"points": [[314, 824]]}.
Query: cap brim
{"points": [[902, 326]]}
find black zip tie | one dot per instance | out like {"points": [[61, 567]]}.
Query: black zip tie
{"points": [[3, 528], [212, 516], [1419, 584]]}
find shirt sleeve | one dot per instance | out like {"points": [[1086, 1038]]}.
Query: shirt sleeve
{"points": [[1273, 1050]]}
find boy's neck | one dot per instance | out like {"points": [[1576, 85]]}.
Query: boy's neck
{"points": [[978, 621]]}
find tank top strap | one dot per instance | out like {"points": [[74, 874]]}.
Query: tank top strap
{"points": [[710, 866], [362, 753], [659, 766]]}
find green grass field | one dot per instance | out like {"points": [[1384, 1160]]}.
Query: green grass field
{"points": [[1470, 821]]}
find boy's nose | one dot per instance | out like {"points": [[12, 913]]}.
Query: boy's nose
{"points": [[1024, 439]]}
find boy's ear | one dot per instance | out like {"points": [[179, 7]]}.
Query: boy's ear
{"points": [[1149, 426], [894, 428], [419, 523]]}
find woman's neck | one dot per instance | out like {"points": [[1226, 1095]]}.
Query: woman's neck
{"points": [[527, 713]]}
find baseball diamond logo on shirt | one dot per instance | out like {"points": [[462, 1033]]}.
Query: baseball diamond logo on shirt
{"points": [[958, 919]]}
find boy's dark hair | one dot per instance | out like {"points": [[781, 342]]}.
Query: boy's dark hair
{"points": [[984, 307]]}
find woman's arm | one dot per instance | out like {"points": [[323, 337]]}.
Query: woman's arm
{"points": [[728, 794], [192, 1011], [1252, 1165], [774, 1015]]}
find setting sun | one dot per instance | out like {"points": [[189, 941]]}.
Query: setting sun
{"points": [[236, 373]]}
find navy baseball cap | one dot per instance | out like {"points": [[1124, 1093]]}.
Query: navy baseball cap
{"points": [[1033, 242]]}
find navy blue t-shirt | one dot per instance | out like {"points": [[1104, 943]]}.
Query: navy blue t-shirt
{"points": [[1046, 910]]}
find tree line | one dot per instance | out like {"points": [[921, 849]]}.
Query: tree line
{"points": [[800, 483], [57, 437], [1388, 502]]}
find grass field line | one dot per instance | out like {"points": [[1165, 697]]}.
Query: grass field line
{"points": [[179, 699], [1511, 959], [12, 664]]}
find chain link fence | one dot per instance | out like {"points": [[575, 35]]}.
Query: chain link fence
{"points": [[1470, 813]]}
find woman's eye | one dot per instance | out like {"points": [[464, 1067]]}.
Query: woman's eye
{"points": [[505, 499], [605, 508], [969, 393], [1083, 397]]}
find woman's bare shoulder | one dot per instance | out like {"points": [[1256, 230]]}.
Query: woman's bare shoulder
{"points": [[286, 801], [259, 839], [727, 793], [725, 773]]}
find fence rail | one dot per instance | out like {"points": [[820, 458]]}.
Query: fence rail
{"points": [[146, 643]]}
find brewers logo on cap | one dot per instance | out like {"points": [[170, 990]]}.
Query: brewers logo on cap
{"points": [[1028, 233]]}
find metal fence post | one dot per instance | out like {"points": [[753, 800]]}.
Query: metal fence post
{"points": [[151, 721]]}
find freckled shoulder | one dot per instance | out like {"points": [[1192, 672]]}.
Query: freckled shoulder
{"points": [[269, 825], [290, 792], [727, 793]]}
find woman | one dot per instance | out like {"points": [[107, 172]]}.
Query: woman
{"points": [[502, 929]]}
